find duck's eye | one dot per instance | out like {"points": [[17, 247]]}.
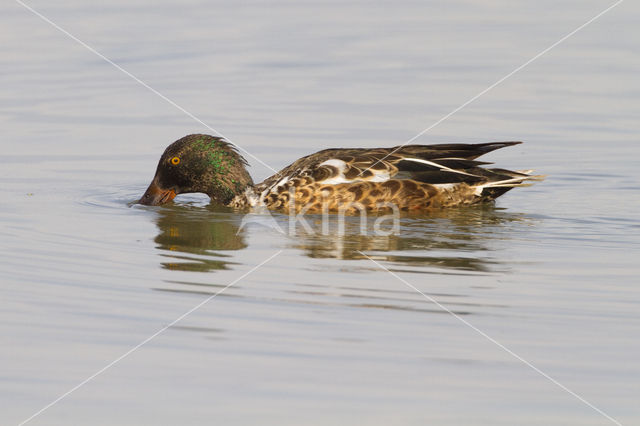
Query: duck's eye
{"points": [[175, 161]]}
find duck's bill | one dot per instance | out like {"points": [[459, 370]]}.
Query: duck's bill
{"points": [[155, 195]]}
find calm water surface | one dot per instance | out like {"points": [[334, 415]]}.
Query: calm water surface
{"points": [[319, 334]]}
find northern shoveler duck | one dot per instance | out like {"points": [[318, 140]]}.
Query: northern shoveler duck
{"points": [[410, 177]]}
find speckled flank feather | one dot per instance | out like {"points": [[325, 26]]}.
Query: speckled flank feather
{"points": [[410, 177]]}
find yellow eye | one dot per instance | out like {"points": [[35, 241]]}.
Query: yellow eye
{"points": [[175, 161]]}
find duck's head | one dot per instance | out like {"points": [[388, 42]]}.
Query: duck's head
{"points": [[198, 163]]}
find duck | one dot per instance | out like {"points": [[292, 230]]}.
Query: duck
{"points": [[405, 177]]}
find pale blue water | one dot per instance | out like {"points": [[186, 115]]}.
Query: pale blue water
{"points": [[320, 334]]}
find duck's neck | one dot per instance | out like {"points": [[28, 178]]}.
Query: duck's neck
{"points": [[223, 191]]}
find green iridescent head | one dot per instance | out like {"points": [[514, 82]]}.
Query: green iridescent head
{"points": [[198, 163]]}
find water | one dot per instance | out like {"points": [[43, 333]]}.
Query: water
{"points": [[319, 334]]}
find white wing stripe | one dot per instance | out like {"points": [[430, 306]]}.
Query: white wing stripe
{"points": [[440, 166], [339, 164], [378, 175]]}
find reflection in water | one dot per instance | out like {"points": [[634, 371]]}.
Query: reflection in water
{"points": [[454, 239], [195, 235], [465, 241]]}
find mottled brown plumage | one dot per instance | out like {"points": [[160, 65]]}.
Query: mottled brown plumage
{"points": [[411, 177]]}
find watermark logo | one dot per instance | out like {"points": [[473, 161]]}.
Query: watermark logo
{"points": [[332, 219]]}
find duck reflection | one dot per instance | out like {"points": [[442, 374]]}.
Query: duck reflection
{"points": [[457, 240], [196, 236], [466, 241]]}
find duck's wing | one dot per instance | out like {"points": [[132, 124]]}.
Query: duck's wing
{"points": [[435, 164], [448, 163]]}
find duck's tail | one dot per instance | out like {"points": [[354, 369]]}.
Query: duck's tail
{"points": [[493, 189]]}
